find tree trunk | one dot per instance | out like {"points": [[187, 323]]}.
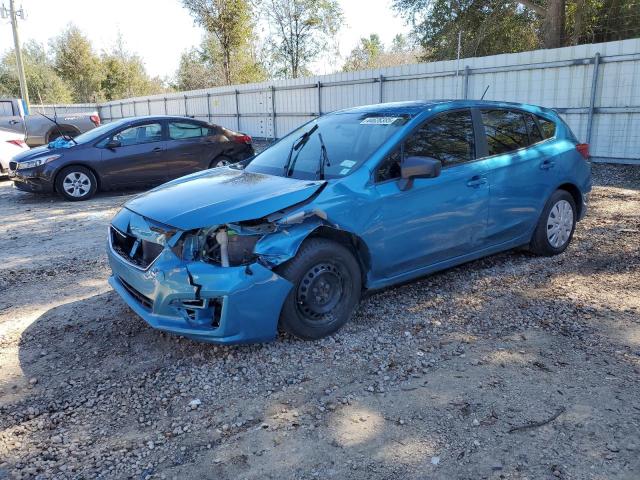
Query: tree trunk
{"points": [[553, 25], [578, 23]]}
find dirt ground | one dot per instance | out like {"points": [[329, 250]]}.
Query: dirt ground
{"points": [[509, 367]]}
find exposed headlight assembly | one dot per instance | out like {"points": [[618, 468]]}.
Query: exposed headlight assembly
{"points": [[37, 162], [219, 245]]}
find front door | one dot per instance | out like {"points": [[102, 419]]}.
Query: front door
{"points": [[140, 157], [438, 218]]}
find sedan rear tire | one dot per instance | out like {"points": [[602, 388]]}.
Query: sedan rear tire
{"points": [[556, 225], [326, 288], [221, 161], [76, 183]]}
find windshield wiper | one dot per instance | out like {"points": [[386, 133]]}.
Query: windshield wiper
{"points": [[297, 146], [58, 128], [324, 157]]}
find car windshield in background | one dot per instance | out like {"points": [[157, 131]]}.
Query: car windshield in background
{"points": [[349, 139]]}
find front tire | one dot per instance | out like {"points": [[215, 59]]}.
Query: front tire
{"points": [[326, 288], [556, 225], [76, 183]]}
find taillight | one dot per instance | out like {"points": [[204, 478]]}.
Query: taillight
{"points": [[18, 143], [95, 119], [242, 139], [583, 148]]}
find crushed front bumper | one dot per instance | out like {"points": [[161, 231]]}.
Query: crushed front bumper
{"points": [[202, 301]]}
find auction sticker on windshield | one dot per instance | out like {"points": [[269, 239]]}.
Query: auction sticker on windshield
{"points": [[380, 120]]}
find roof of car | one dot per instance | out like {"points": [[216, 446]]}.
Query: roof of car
{"points": [[161, 117], [417, 106]]}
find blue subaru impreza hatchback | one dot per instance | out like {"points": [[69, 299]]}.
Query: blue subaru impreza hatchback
{"points": [[355, 200]]}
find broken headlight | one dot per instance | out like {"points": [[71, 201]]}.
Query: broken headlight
{"points": [[219, 245]]}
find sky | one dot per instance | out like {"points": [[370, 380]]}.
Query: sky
{"points": [[160, 30]]}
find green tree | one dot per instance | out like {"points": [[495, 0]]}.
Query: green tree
{"points": [[491, 27], [366, 55], [371, 53], [488, 26], [229, 22], [193, 73], [43, 82], [124, 75], [201, 67], [299, 30], [78, 65]]}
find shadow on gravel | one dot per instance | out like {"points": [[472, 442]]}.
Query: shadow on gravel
{"points": [[619, 176]]}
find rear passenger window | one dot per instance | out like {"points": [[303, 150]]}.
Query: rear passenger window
{"points": [[180, 130], [505, 131], [548, 127], [448, 138], [534, 132]]}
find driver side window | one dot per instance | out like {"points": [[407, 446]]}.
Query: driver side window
{"points": [[139, 134], [448, 137]]}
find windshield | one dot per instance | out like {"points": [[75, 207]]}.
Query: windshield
{"points": [[349, 140], [98, 131]]}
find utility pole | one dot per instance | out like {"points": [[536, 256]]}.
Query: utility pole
{"points": [[13, 14]]}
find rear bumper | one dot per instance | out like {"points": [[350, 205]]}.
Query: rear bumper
{"points": [[202, 301]]}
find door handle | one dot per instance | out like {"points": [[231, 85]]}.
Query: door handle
{"points": [[157, 149], [13, 122], [547, 164], [476, 181]]}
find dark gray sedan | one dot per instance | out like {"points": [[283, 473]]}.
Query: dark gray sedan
{"points": [[131, 152]]}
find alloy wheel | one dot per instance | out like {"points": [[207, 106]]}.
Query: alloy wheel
{"points": [[223, 163], [76, 184]]}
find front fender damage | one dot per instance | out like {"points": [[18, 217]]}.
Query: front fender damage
{"points": [[251, 294]]}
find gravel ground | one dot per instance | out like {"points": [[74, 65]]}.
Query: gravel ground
{"points": [[509, 367]]}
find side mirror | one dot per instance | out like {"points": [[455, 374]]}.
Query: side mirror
{"points": [[418, 167], [113, 143]]}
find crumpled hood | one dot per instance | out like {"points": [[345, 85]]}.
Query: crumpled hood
{"points": [[218, 196]]}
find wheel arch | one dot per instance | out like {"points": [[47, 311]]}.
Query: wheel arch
{"points": [[350, 240], [76, 164], [64, 127], [575, 192]]}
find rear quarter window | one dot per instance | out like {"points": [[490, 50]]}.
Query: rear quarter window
{"points": [[548, 127]]}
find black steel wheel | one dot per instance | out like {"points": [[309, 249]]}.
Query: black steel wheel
{"points": [[326, 288]]}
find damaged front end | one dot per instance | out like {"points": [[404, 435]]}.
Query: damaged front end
{"points": [[215, 283]]}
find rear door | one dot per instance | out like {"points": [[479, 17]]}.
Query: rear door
{"points": [[140, 158], [10, 119], [518, 174], [186, 148]]}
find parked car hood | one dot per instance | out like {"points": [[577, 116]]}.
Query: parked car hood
{"points": [[219, 196], [38, 152]]}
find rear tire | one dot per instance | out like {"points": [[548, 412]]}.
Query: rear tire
{"points": [[221, 161], [326, 288], [556, 225], [76, 183]]}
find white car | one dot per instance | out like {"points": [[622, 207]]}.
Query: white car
{"points": [[11, 144]]}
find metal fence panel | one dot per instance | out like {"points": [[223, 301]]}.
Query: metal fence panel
{"points": [[605, 112]]}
